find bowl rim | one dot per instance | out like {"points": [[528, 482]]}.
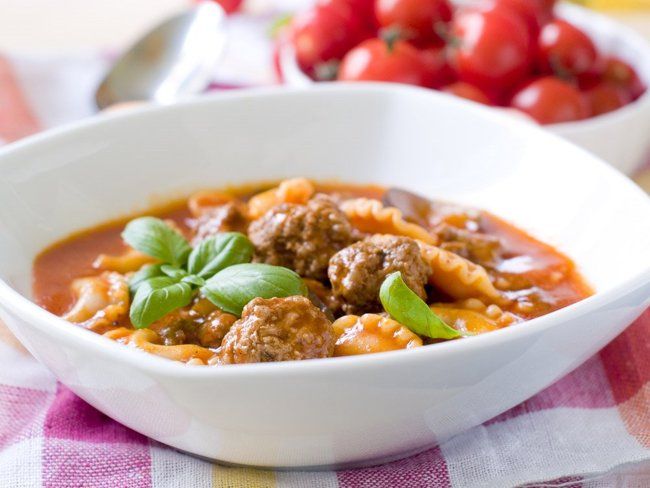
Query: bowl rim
{"points": [[16, 303], [625, 33]]}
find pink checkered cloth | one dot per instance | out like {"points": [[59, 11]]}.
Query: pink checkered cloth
{"points": [[591, 429]]}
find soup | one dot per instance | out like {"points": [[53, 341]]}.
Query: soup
{"points": [[301, 270]]}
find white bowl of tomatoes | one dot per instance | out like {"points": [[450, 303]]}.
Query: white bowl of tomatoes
{"points": [[572, 70]]}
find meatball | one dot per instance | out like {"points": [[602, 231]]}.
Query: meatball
{"points": [[201, 324], [479, 248], [177, 327], [357, 272], [228, 217], [211, 332], [278, 329], [301, 237]]}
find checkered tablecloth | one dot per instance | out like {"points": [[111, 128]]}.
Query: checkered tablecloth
{"points": [[590, 429]]}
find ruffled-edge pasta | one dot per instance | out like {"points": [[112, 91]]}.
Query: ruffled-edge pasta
{"points": [[204, 201], [371, 333], [456, 276], [295, 190], [149, 341], [101, 301], [370, 216], [473, 316]]}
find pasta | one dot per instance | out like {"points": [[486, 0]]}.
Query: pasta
{"points": [[372, 217], [456, 276], [101, 301], [473, 316], [321, 268], [128, 262], [296, 190], [149, 341], [371, 333], [203, 201]]}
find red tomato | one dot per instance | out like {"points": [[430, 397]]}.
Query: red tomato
{"points": [[363, 9], [490, 48], [530, 11], [565, 49], [416, 19], [437, 70], [230, 6], [591, 78], [324, 33], [550, 100], [621, 74], [546, 7], [467, 91], [606, 97], [377, 60]]}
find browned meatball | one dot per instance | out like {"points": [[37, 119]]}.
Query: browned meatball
{"points": [[479, 248], [279, 329], [201, 323], [358, 271], [228, 217], [301, 237], [177, 327], [211, 332]]}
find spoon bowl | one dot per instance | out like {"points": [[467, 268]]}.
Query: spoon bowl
{"points": [[172, 61]]}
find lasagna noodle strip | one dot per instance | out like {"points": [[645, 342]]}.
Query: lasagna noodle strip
{"points": [[456, 276], [370, 216]]}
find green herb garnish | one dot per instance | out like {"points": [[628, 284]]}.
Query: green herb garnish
{"points": [[235, 286], [156, 297], [159, 289], [218, 252], [145, 273], [155, 238], [405, 306]]}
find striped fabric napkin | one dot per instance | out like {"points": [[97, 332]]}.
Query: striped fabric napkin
{"points": [[591, 429]]}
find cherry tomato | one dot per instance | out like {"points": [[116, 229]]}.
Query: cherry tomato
{"points": [[468, 92], [363, 9], [589, 79], [324, 33], [565, 50], [546, 7], [621, 74], [416, 19], [490, 48], [606, 97], [230, 6], [437, 70], [530, 11], [550, 100], [378, 60]]}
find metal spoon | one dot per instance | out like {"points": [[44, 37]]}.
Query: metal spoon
{"points": [[174, 60]]}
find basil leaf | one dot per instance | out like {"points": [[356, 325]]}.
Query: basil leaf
{"points": [[216, 253], [155, 238], [155, 298], [405, 306], [233, 287], [173, 272], [142, 275], [193, 280]]}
